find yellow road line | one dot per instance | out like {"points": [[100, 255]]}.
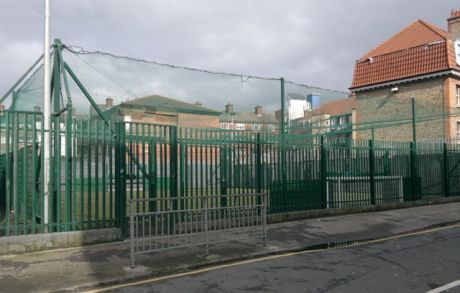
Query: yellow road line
{"points": [[264, 258]]}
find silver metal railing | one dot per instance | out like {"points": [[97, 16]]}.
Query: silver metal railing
{"points": [[166, 223]]}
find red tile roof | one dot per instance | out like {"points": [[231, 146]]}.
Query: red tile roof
{"points": [[335, 108], [421, 48]]}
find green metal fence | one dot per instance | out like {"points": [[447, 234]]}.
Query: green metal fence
{"points": [[298, 173], [82, 194], [97, 168]]}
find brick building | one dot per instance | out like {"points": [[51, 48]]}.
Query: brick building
{"points": [[258, 120], [421, 61], [162, 111], [335, 116]]}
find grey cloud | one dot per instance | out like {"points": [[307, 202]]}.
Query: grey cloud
{"points": [[310, 42]]}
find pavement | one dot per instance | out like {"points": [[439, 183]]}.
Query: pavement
{"points": [[77, 269], [418, 262]]}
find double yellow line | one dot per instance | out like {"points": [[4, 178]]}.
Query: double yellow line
{"points": [[260, 259]]}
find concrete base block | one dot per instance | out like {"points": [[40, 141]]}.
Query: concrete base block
{"points": [[37, 242]]}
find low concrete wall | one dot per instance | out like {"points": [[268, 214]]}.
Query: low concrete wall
{"points": [[44, 241], [301, 215]]}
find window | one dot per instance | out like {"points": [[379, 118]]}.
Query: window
{"points": [[457, 51], [240, 126], [457, 95], [255, 126], [458, 129], [225, 125]]}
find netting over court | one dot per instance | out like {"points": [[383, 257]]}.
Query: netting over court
{"points": [[125, 79]]}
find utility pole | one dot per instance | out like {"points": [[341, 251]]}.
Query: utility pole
{"points": [[46, 115]]}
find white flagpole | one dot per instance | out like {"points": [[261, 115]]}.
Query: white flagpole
{"points": [[46, 114]]}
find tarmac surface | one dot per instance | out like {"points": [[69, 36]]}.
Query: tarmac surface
{"points": [[417, 263], [82, 268]]}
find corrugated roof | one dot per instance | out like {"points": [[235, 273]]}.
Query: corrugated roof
{"points": [[421, 48]]}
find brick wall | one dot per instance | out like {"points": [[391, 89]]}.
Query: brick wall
{"points": [[173, 119], [450, 88], [195, 120], [382, 105]]}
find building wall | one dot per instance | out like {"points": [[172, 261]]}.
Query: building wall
{"points": [[450, 91], [383, 105], [173, 119], [195, 120]]}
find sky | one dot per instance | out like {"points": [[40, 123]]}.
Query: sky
{"points": [[309, 42]]}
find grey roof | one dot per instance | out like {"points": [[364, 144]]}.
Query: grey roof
{"points": [[248, 117], [160, 103]]}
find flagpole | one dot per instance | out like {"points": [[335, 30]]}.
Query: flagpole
{"points": [[46, 114]]}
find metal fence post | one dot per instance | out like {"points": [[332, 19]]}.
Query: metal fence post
{"points": [[68, 179], [264, 216], [445, 173], [323, 174], [413, 169], [120, 178], [259, 166], [173, 165], [131, 233], [206, 224], [371, 171]]}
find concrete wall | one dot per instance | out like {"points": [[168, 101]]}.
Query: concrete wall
{"points": [[383, 105], [45, 241]]}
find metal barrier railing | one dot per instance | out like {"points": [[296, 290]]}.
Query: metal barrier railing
{"points": [[168, 223]]}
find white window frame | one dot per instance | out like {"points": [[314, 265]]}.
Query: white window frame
{"points": [[458, 129], [457, 95], [457, 50], [225, 125], [240, 126]]}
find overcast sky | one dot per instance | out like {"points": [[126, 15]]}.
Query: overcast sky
{"points": [[306, 41]]}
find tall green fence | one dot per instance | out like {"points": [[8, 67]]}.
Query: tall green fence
{"points": [[82, 194], [298, 172], [96, 168]]}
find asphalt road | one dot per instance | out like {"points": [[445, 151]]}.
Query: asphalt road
{"points": [[417, 263]]}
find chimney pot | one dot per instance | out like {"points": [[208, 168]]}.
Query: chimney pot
{"points": [[453, 24], [258, 110], [109, 103], [229, 108]]}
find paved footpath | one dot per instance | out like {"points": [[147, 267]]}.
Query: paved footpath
{"points": [[78, 268]]}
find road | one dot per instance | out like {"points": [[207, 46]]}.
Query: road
{"points": [[417, 263]]}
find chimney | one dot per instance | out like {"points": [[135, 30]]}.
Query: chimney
{"points": [[453, 24], [229, 108], [37, 108], [108, 103], [258, 110]]}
